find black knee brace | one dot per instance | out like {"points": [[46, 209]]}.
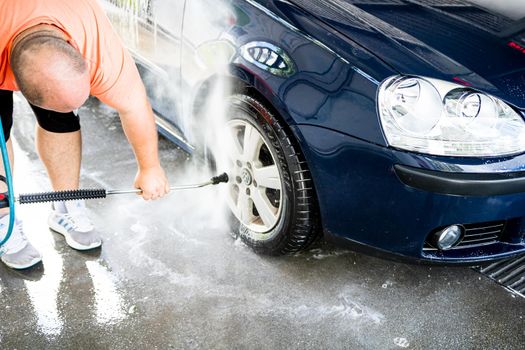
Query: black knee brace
{"points": [[56, 122], [48, 120]]}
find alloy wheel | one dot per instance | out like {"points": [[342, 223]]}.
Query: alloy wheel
{"points": [[254, 194]]}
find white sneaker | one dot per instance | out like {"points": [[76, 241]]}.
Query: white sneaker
{"points": [[18, 252], [75, 226]]}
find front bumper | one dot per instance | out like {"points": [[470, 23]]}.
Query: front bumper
{"points": [[391, 201], [461, 184]]}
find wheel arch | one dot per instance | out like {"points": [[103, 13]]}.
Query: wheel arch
{"points": [[242, 80]]}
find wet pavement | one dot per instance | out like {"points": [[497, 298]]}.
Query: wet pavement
{"points": [[170, 275]]}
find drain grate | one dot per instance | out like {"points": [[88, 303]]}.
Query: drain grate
{"points": [[508, 273]]}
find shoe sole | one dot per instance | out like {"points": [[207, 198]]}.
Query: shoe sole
{"points": [[70, 241], [23, 267]]}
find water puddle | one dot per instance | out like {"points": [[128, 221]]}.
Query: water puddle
{"points": [[109, 304], [43, 295]]}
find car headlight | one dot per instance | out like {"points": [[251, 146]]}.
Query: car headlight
{"points": [[442, 118]]}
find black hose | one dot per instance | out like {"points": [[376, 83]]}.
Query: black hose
{"points": [[61, 196]]}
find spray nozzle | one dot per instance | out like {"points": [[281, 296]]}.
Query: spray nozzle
{"points": [[220, 179]]}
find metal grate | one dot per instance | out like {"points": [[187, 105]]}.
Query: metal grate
{"points": [[508, 273], [481, 234]]}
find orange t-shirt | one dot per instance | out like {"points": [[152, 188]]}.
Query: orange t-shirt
{"points": [[114, 76]]}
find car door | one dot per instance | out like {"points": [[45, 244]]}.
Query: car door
{"points": [[151, 30]]}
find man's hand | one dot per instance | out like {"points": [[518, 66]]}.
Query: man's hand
{"points": [[152, 182]]}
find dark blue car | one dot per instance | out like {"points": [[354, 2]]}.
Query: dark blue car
{"points": [[396, 126]]}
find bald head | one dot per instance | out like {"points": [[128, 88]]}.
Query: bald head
{"points": [[50, 72]]}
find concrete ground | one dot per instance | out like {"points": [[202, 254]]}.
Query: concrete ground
{"points": [[170, 276]]}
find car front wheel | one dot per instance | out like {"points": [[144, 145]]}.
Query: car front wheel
{"points": [[270, 191]]}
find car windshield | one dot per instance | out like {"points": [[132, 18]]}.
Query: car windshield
{"points": [[504, 19], [513, 9]]}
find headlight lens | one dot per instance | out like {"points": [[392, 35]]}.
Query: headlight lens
{"points": [[441, 118], [415, 105]]}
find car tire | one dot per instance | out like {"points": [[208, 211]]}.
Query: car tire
{"points": [[276, 216]]}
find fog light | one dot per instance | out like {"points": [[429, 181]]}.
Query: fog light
{"points": [[448, 237]]}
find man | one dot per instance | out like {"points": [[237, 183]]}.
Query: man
{"points": [[57, 53]]}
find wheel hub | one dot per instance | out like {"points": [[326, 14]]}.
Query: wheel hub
{"points": [[246, 177]]}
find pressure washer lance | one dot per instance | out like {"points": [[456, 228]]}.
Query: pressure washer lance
{"points": [[95, 193]]}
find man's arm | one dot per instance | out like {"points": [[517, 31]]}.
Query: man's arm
{"points": [[116, 82], [139, 126]]}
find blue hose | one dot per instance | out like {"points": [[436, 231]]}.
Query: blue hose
{"points": [[9, 182]]}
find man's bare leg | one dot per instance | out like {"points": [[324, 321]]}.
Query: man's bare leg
{"points": [[19, 253], [61, 154]]}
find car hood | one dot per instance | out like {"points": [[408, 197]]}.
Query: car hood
{"points": [[447, 39]]}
